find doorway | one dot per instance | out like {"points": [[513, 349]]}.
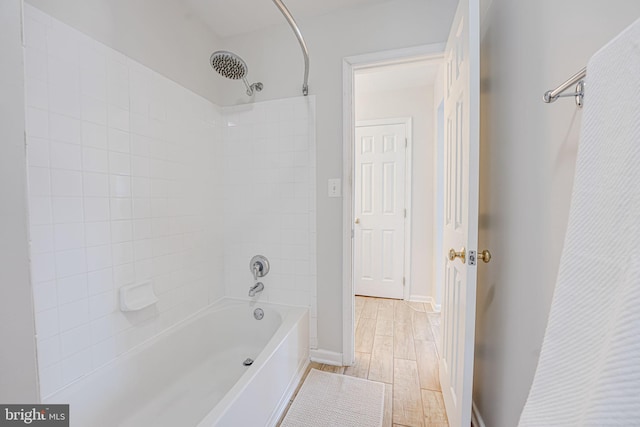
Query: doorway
{"points": [[460, 64], [376, 86]]}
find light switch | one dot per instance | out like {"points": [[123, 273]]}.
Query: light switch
{"points": [[335, 187]]}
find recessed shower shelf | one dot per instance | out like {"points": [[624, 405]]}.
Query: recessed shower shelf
{"points": [[137, 296]]}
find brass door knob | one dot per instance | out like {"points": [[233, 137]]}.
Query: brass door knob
{"points": [[357, 221], [462, 255], [485, 256]]}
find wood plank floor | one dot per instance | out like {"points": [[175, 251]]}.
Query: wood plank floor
{"points": [[395, 344]]}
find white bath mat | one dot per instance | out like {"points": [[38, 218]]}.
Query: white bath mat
{"points": [[327, 399]]}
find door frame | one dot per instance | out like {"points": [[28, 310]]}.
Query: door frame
{"points": [[408, 181], [349, 66]]}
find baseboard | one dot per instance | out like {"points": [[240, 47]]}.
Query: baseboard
{"points": [[427, 300], [420, 298], [476, 418], [326, 357]]}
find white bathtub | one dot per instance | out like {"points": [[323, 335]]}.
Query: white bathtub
{"points": [[192, 374]]}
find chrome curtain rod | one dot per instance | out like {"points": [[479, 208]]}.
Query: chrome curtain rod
{"points": [[577, 79], [303, 45]]}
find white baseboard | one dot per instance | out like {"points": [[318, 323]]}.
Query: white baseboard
{"points": [[420, 298], [427, 300], [476, 418], [326, 357]]}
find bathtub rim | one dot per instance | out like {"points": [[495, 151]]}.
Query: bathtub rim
{"points": [[220, 304]]}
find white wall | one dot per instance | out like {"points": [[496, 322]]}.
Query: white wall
{"points": [[269, 201], [527, 156], [125, 186], [274, 57], [416, 103], [160, 34], [18, 369]]}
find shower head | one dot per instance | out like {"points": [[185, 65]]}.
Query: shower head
{"points": [[228, 64], [231, 66]]}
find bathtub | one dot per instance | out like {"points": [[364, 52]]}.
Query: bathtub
{"points": [[193, 373]]}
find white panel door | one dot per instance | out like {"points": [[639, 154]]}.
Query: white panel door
{"points": [[461, 115], [379, 207]]}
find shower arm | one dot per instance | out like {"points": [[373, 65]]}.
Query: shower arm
{"points": [[246, 83], [303, 45], [257, 86]]}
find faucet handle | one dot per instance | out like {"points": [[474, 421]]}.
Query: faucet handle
{"points": [[259, 266]]}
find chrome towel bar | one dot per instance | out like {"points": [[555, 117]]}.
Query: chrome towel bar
{"points": [[577, 79]]}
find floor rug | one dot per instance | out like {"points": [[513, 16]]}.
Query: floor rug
{"points": [[327, 399]]}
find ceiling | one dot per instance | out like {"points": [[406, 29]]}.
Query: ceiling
{"points": [[396, 77], [229, 18]]}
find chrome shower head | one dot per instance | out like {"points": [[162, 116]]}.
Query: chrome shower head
{"points": [[231, 66], [228, 64]]}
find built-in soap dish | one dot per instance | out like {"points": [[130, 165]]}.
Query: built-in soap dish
{"points": [[137, 296]]}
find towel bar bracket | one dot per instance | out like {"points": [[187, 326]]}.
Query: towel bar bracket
{"points": [[578, 80], [578, 95]]}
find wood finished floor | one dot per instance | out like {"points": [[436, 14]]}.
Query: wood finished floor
{"points": [[396, 344]]}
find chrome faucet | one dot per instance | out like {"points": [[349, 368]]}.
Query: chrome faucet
{"points": [[258, 287], [257, 268]]}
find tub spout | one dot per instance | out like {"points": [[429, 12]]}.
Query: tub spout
{"points": [[258, 287]]}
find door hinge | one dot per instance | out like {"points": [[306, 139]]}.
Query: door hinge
{"points": [[406, 143], [352, 233], [404, 281], [405, 212]]}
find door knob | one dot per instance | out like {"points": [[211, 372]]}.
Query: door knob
{"points": [[462, 255], [485, 256], [357, 221]]}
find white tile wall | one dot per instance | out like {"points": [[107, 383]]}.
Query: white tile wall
{"points": [[125, 184], [269, 194]]}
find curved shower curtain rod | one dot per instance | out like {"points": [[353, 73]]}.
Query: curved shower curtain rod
{"points": [[303, 45]]}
